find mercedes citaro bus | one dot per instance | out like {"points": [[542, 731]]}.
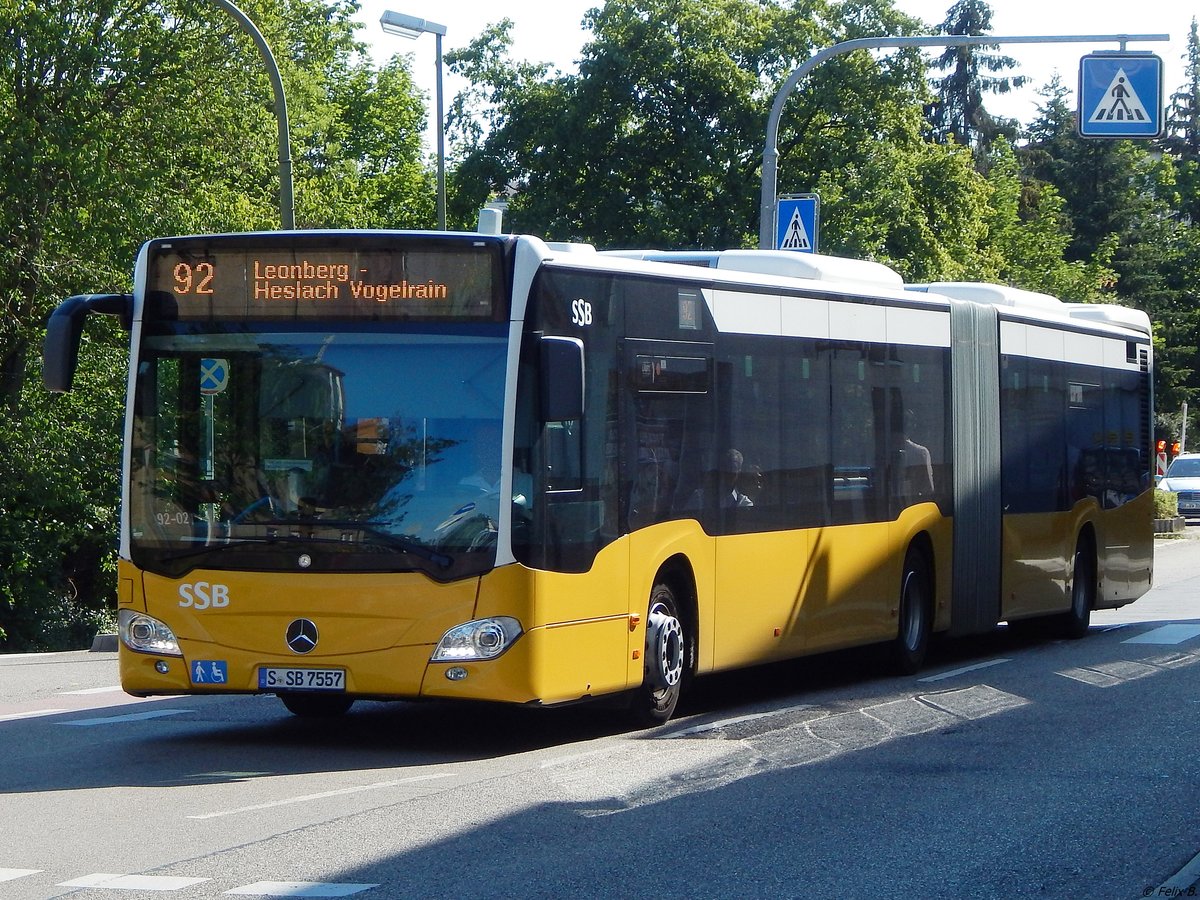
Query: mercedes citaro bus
{"points": [[431, 465]]}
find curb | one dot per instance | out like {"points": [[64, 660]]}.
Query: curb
{"points": [[104, 643]]}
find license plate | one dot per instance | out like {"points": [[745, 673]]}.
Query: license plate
{"points": [[281, 679]]}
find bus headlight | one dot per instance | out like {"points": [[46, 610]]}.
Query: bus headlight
{"points": [[481, 639], [145, 634]]}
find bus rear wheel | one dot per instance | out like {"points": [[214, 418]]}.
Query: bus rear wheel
{"points": [[317, 706], [1074, 623], [916, 615], [669, 654]]}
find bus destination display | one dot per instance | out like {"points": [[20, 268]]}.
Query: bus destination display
{"points": [[205, 282]]}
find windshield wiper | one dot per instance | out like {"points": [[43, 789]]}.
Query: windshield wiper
{"points": [[381, 535], [229, 544]]}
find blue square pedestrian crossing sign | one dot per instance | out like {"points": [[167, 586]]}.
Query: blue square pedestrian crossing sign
{"points": [[1120, 95], [797, 219]]}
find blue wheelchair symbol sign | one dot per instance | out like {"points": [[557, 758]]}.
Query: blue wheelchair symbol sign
{"points": [[214, 376], [210, 671], [796, 222], [1120, 95]]}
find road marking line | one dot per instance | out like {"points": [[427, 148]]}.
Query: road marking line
{"points": [[1090, 676], [299, 889], [133, 882], [1167, 634], [576, 757], [379, 785], [976, 702], [14, 874], [131, 717], [736, 720], [953, 673], [112, 689], [8, 717]]}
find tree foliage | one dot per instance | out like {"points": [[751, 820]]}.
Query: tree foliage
{"points": [[961, 110], [124, 120]]}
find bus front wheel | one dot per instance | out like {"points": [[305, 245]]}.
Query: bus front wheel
{"points": [[669, 653]]}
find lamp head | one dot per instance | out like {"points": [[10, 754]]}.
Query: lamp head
{"points": [[407, 26]]}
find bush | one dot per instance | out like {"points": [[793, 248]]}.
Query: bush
{"points": [[1166, 505], [59, 499]]}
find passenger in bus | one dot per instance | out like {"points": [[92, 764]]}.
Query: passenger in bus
{"points": [[915, 466], [724, 484]]}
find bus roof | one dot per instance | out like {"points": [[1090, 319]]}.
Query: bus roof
{"points": [[990, 294], [784, 263], [1020, 299]]}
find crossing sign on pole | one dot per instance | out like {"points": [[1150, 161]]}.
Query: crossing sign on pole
{"points": [[797, 219], [214, 376], [1120, 95]]}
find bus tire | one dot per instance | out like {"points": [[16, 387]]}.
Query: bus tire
{"points": [[1074, 623], [668, 659], [317, 706], [916, 615]]}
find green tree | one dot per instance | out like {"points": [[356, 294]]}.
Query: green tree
{"points": [[645, 143], [657, 139], [1098, 179], [130, 119], [1029, 233], [1182, 139], [961, 110], [1183, 109]]}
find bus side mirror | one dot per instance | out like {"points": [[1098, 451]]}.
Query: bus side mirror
{"points": [[562, 378], [60, 352]]}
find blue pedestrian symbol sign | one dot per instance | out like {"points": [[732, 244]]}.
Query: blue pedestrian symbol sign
{"points": [[214, 376], [1120, 95], [797, 219]]}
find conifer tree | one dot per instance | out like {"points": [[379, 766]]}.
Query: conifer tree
{"points": [[962, 113]]}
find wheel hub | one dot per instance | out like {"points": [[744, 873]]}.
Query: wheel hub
{"points": [[664, 648]]}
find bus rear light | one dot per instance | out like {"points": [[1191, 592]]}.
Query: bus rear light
{"points": [[478, 640], [145, 634]]}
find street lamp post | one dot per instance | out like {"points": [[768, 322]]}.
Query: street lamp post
{"points": [[412, 28], [287, 205]]}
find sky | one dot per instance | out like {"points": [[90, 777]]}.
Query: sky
{"points": [[551, 31]]}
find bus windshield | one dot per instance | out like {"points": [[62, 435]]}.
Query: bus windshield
{"points": [[313, 448]]}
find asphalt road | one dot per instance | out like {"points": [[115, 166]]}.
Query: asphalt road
{"points": [[1008, 768]]}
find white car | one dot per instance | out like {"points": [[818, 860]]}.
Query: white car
{"points": [[1183, 479]]}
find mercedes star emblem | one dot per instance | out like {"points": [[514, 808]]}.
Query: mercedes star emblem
{"points": [[302, 636]]}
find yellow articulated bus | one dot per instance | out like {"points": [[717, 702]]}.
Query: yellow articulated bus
{"points": [[399, 465]]}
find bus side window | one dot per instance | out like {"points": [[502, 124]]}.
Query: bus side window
{"points": [[856, 407]]}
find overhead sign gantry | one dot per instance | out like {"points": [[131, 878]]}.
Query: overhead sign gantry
{"points": [[770, 169]]}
